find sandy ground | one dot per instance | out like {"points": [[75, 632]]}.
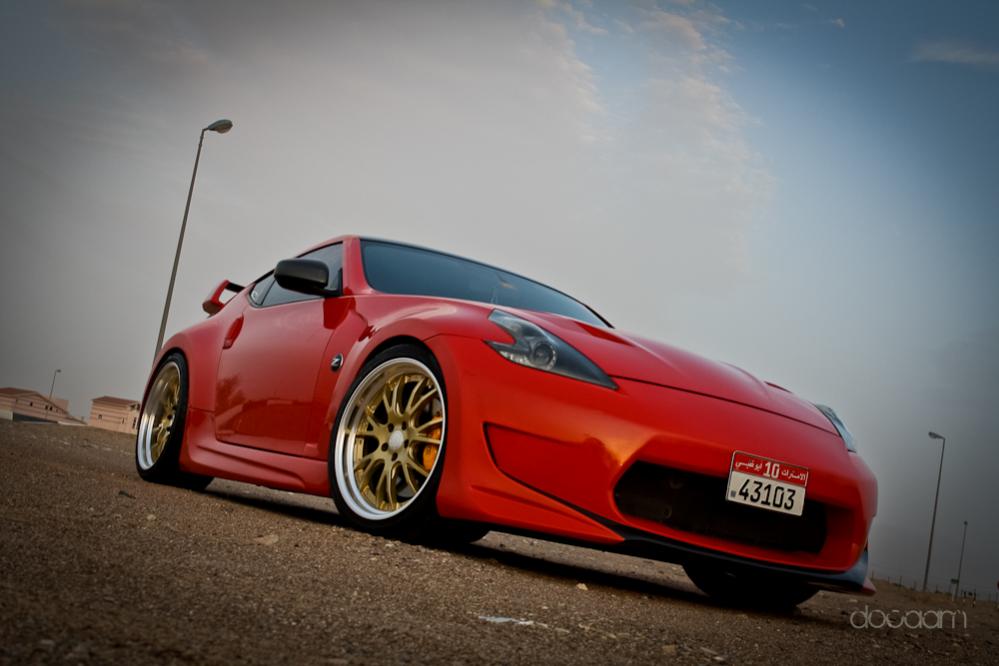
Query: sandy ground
{"points": [[97, 566]]}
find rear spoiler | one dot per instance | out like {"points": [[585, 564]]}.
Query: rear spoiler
{"points": [[214, 302]]}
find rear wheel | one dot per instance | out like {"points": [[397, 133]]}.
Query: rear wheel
{"points": [[748, 589], [388, 446], [161, 427]]}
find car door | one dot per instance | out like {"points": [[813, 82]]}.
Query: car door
{"points": [[271, 359]]}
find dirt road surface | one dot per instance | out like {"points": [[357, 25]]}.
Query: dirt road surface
{"points": [[97, 566]]}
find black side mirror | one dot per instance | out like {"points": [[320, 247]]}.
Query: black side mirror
{"points": [[306, 276]]}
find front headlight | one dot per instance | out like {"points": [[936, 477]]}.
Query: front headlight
{"points": [[833, 417], [536, 348]]}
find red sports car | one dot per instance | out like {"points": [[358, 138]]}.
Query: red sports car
{"points": [[436, 397]]}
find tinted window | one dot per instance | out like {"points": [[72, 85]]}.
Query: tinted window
{"points": [[399, 269], [271, 293], [260, 289]]}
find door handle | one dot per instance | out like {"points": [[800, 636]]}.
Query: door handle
{"points": [[234, 328]]}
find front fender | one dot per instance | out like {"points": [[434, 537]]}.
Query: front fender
{"points": [[376, 321]]}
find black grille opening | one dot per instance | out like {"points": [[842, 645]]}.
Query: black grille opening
{"points": [[696, 503]]}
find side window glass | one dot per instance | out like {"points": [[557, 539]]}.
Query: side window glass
{"points": [[260, 289], [278, 295], [332, 256], [275, 294]]}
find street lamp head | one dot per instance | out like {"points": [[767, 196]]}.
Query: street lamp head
{"points": [[933, 435], [220, 126]]}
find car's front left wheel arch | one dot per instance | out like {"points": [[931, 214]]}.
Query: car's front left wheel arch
{"points": [[389, 444]]}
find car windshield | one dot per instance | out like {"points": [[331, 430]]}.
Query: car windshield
{"points": [[402, 269]]}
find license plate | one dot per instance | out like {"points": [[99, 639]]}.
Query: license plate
{"points": [[767, 484]]}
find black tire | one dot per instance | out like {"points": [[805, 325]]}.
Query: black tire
{"points": [[748, 589], [164, 466], [418, 519]]}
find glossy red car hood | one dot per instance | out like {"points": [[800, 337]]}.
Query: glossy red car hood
{"points": [[629, 356]]}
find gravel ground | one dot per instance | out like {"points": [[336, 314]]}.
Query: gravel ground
{"points": [[98, 566]]}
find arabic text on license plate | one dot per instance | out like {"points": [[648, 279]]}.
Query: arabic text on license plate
{"points": [[767, 484]]}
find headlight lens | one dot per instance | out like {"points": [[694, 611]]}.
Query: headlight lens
{"points": [[840, 428], [536, 348]]}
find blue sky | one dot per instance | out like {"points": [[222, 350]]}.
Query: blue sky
{"points": [[807, 190], [876, 134], [913, 142]]}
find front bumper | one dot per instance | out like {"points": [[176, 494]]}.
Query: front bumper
{"points": [[543, 454]]}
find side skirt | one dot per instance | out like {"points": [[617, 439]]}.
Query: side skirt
{"points": [[203, 454]]}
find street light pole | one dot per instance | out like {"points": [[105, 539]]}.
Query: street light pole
{"points": [[52, 388], [220, 126], [936, 498], [960, 562]]}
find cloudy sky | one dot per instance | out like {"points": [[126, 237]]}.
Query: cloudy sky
{"points": [[807, 190]]}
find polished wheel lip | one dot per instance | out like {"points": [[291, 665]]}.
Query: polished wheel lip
{"points": [[159, 413], [354, 413]]}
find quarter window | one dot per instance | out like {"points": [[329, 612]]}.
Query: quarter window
{"points": [[260, 289]]}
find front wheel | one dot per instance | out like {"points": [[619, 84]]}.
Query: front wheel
{"points": [[388, 445], [161, 427], [748, 589]]}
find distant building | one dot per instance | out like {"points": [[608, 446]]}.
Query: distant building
{"points": [[117, 414], [18, 404]]}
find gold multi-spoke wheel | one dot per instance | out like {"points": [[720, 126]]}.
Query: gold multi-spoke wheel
{"points": [[160, 434], [159, 415], [390, 438]]}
